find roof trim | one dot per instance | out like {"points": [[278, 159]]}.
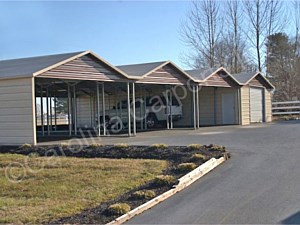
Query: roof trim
{"points": [[261, 74]]}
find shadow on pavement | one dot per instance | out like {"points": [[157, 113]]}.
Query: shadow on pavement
{"points": [[293, 219]]}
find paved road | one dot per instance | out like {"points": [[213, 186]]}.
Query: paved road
{"points": [[260, 184]]}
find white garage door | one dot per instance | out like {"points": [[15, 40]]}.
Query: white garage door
{"points": [[256, 105]]}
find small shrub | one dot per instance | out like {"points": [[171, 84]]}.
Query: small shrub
{"points": [[198, 156], [157, 146], [33, 155], [194, 146], [186, 167], [26, 146], [121, 145], [217, 148], [146, 194], [164, 180], [95, 146], [118, 209]]}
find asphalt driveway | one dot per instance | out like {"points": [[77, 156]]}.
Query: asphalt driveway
{"points": [[260, 184]]}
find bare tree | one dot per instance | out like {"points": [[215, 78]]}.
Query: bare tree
{"points": [[296, 6], [234, 19], [264, 19], [233, 36], [201, 32]]}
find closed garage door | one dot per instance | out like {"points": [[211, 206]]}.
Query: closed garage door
{"points": [[256, 105]]}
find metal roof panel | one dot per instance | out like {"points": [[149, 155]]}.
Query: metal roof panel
{"points": [[25, 67]]}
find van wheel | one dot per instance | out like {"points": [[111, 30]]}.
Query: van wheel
{"points": [[151, 121]]}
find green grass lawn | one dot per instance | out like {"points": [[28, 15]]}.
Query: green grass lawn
{"points": [[64, 186]]}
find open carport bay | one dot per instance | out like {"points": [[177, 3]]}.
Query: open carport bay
{"points": [[150, 107]]}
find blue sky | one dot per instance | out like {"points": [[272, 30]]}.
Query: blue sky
{"points": [[121, 32]]}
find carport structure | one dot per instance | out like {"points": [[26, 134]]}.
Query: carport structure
{"points": [[99, 99], [25, 81], [219, 97]]}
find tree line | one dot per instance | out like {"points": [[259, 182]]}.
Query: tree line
{"points": [[248, 35]]}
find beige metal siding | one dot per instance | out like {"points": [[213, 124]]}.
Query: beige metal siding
{"points": [[220, 80], [245, 105], [84, 68], [17, 110], [84, 111], [207, 112], [268, 105], [185, 97], [256, 82], [166, 75], [259, 81]]}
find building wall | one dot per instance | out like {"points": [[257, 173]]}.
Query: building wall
{"points": [[268, 105], [17, 110], [207, 107], [245, 105], [184, 95], [211, 109]]}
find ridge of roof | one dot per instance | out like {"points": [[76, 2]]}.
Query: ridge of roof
{"points": [[202, 74], [140, 69], [245, 77]]}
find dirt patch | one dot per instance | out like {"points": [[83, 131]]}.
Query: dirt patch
{"points": [[175, 155]]}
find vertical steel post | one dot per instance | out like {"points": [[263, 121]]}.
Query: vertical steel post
{"points": [[47, 103], [103, 110], [133, 109], [198, 107], [194, 107], [128, 109], [75, 109], [55, 111], [171, 103], [42, 112], [51, 113], [141, 109], [167, 109], [116, 103], [145, 111], [98, 111], [69, 110], [121, 110]]}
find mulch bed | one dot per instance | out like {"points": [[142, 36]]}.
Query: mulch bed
{"points": [[175, 155]]}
